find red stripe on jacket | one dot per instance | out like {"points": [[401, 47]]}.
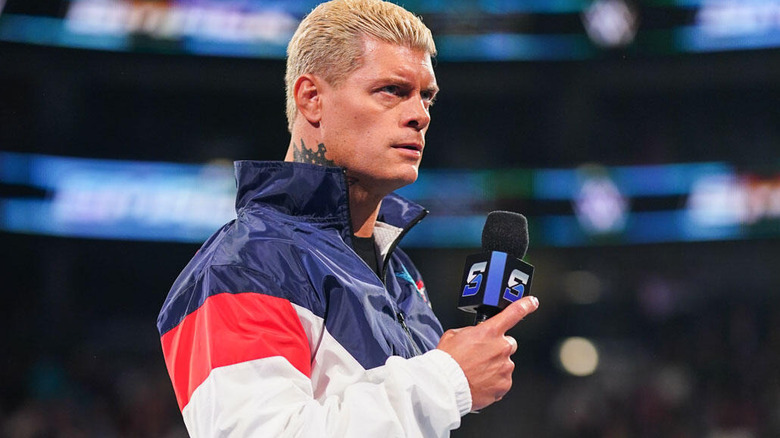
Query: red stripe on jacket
{"points": [[229, 329]]}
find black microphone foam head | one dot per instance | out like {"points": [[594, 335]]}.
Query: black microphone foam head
{"points": [[505, 231]]}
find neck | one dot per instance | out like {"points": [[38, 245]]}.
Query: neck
{"points": [[363, 203], [364, 210]]}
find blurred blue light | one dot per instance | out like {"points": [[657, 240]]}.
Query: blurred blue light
{"points": [[183, 202]]}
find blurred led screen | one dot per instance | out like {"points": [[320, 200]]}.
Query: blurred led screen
{"points": [[588, 205], [466, 30], [114, 199]]}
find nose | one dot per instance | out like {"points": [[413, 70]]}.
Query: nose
{"points": [[418, 115]]}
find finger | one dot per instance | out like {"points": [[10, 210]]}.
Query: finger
{"points": [[512, 343], [512, 314]]}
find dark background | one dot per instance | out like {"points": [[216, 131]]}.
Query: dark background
{"points": [[687, 332]]}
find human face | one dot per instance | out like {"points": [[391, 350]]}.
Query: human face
{"points": [[374, 122]]}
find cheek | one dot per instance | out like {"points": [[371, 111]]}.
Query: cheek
{"points": [[345, 122]]}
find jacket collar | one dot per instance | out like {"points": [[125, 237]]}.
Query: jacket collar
{"points": [[312, 191]]}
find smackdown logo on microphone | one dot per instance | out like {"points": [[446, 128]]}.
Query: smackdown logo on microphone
{"points": [[494, 280]]}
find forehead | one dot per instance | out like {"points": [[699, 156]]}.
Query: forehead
{"points": [[384, 59]]}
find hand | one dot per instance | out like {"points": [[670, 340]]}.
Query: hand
{"points": [[483, 352]]}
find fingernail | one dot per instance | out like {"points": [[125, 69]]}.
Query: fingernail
{"points": [[535, 301]]}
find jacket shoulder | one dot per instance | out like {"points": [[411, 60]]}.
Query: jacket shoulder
{"points": [[249, 254]]}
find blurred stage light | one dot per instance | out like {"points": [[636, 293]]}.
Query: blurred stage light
{"points": [[599, 205], [578, 356], [582, 287], [738, 18], [674, 384], [610, 23]]}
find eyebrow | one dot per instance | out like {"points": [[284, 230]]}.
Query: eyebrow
{"points": [[400, 79]]}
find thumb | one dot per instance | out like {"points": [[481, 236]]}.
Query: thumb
{"points": [[512, 314]]}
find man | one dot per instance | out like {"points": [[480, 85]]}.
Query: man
{"points": [[302, 317]]}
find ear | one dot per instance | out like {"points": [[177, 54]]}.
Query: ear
{"points": [[308, 98]]}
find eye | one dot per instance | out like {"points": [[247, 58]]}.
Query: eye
{"points": [[429, 96], [391, 89]]}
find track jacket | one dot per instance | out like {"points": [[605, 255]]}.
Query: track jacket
{"points": [[278, 328]]}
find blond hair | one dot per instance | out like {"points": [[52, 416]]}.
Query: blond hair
{"points": [[329, 40]]}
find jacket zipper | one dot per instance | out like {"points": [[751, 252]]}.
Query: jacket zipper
{"points": [[401, 319], [398, 314]]}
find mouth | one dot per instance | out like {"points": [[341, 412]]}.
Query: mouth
{"points": [[416, 147]]}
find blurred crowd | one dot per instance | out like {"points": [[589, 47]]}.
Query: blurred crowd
{"points": [[712, 372], [65, 398]]}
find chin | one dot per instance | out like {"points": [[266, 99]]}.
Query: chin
{"points": [[406, 178], [389, 179]]}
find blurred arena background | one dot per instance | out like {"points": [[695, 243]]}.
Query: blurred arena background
{"points": [[640, 138]]}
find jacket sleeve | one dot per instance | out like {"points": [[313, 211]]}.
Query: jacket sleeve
{"points": [[254, 365]]}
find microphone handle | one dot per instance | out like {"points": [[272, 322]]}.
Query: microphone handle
{"points": [[485, 312]]}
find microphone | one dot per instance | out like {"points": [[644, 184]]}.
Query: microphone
{"points": [[497, 277]]}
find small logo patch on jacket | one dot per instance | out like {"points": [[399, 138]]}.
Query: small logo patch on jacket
{"points": [[419, 286]]}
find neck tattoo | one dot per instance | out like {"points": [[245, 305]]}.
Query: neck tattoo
{"points": [[302, 154]]}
